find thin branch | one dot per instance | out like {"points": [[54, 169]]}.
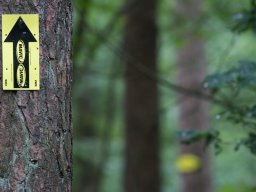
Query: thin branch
{"points": [[143, 69]]}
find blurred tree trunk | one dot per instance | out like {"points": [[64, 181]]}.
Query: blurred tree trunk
{"points": [[86, 173], [191, 63], [141, 100], [35, 126]]}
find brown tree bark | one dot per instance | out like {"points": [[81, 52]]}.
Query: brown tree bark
{"points": [[194, 115], [191, 61], [141, 100], [35, 126]]}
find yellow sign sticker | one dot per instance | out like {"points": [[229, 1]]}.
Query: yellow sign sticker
{"points": [[20, 49]]}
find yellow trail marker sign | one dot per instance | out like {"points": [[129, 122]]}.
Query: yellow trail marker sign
{"points": [[188, 163], [20, 49]]}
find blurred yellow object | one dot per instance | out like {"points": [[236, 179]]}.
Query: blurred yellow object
{"points": [[188, 163]]}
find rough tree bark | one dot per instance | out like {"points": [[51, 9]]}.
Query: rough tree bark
{"points": [[191, 61], [35, 126], [141, 100]]}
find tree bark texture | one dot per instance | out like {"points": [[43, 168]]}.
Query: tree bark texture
{"points": [[35, 126], [141, 100], [191, 63]]}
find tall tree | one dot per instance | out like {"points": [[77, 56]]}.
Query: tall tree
{"points": [[35, 128], [141, 100], [191, 61]]}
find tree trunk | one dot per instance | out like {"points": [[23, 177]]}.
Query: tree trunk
{"points": [[141, 100], [194, 115], [191, 63], [35, 126]]}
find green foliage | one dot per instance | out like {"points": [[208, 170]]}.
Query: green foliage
{"points": [[242, 76], [238, 108], [234, 92], [192, 135], [236, 188], [249, 142], [246, 19], [234, 88]]}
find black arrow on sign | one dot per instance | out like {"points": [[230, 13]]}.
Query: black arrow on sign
{"points": [[20, 33]]}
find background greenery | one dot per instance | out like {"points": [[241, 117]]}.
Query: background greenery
{"points": [[98, 93]]}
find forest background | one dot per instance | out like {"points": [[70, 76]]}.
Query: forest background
{"points": [[99, 92]]}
